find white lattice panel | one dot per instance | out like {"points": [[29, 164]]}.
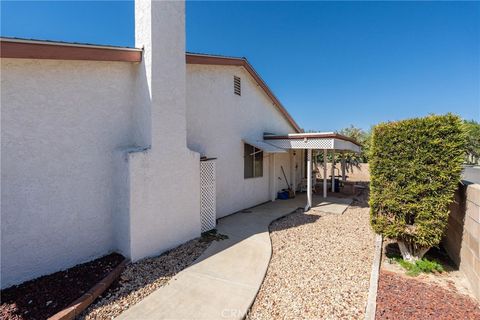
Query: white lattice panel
{"points": [[208, 204], [310, 143]]}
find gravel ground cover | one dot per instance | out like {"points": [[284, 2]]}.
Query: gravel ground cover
{"points": [[399, 297], [320, 266], [43, 297], [145, 276]]}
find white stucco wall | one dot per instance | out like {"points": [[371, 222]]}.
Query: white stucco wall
{"points": [[165, 178], [218, 120], [64, 125], [94, 155]]}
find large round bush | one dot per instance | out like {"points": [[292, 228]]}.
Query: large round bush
{"points": [[415, 167]]}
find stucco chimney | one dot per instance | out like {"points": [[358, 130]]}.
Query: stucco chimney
{"points": [[160, 30], [164, 179]]}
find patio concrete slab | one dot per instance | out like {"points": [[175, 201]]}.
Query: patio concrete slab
{"points": [[224, 281], [332, 205]]}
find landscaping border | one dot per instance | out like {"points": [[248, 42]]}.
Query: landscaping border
{"points": [[76, 307], [372, 292]]}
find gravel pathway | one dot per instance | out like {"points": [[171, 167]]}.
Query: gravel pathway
{"points": [[143, 277], [320, 266], [408, 298]]}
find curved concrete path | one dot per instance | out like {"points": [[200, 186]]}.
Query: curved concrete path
{"points": [[224, 281]]}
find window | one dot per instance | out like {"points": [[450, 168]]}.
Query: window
{"points": [[237, 85], [253, 162]]}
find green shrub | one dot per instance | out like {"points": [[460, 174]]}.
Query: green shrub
{"points": [[422, 265], [415, 167]]}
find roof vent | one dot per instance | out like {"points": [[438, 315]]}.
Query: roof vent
{"points": [[237, 88]]}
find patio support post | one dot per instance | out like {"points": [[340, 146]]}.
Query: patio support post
{"points": [[309, 180], [343, 168], [325, 153], [333, 170]]}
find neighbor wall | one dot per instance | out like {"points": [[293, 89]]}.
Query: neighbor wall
{"points": [[463, 234], [358, 173]]}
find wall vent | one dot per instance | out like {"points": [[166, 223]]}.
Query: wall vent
{"points": [[237, 86]]}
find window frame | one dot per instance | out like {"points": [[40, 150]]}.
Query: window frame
{"points": [[256, 156]]}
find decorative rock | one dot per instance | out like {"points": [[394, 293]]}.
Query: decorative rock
{"points": [[320, 266], [141, 278], [399, 297]]}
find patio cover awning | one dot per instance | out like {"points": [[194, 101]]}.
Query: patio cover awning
{"points": [[326, 141], [265, 147], [322, 140]]}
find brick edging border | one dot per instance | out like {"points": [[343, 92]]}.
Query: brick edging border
{"points": [[76, 307], [374, 275]]}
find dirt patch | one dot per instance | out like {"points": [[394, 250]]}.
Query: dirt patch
{"points": [[410, 298], [43, 297], [451, 279]]}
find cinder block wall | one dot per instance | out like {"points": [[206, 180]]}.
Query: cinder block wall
{"points": [[463, 235]]}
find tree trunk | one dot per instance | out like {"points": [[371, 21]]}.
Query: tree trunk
{"points": [[411, 252]]}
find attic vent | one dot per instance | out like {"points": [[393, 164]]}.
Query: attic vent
{"points": [[237, 88]]}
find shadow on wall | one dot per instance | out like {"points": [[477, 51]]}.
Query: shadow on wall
{"points": [[142, 140], [456, 219], [462, 239]]}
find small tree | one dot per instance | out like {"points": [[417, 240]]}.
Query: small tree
{"points": [[352, 159], [363, 138], [472, 129], [415, 168]]}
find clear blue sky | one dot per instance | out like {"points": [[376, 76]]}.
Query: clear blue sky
{"points": [[332, 64]]}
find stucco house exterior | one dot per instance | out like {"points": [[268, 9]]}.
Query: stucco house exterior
{"points": [[111, 148], [101, 146], [222, 123]]}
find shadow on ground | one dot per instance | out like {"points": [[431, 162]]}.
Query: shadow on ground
{"points": [[438, 254]]}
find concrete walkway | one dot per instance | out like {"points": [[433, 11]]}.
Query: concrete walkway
{"points": [[225, 279]]}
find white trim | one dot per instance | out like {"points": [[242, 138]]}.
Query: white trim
{"points": [[315, 143], [309, 180], [265, 147], [319, 134], [325, 173]]}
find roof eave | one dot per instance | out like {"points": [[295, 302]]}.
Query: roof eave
{"points": [[326, 135], [30, 49]]}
